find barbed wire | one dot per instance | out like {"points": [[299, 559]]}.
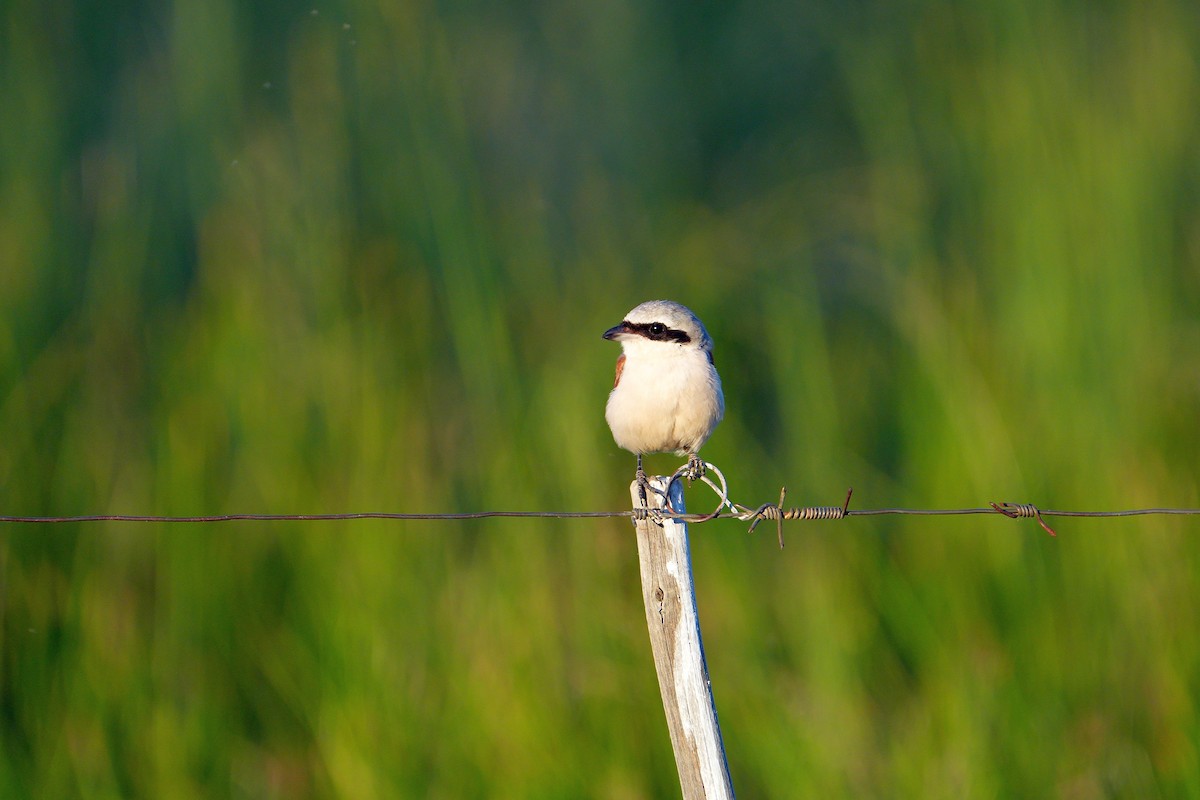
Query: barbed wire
{"points": [[770, 511], [726, 509]]}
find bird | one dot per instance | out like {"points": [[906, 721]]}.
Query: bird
{"points": [[666, 397]]}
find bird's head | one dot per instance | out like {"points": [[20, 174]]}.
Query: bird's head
{"points": [[657, 325]]}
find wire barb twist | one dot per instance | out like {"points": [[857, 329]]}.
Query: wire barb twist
{"points": [[779, 513], [1023, 511]]}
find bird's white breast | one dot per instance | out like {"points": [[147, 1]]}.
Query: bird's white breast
{"points": [[668, 399]]}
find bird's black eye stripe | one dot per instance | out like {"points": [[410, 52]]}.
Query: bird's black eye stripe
{"points": [[658, 332]]}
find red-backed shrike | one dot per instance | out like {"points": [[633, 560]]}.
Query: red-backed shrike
{"points": [[667, 395]]}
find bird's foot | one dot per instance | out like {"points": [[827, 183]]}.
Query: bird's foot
{"points": [[643, 483], [695, 468]]}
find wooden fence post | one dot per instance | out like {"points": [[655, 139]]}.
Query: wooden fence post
{"points": [[674, 626]]}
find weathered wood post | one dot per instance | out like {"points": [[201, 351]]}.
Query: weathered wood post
{"points": [[674, 626]]}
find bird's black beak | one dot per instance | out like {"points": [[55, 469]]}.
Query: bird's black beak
{"points": [[616, 331]]}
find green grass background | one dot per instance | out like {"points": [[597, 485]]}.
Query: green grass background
{"points": [[277, 257]]}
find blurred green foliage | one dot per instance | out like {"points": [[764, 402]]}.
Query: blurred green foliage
{"points": [[284, 258]]}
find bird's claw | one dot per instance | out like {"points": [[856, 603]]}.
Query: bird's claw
{"points": [[695, 468], [655, 515]]}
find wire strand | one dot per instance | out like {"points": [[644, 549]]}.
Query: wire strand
{"points": [[802, 513], [694, 470], [315, 517]]}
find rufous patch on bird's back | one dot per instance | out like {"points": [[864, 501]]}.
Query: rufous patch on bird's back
{"points": [[620, 368]]}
